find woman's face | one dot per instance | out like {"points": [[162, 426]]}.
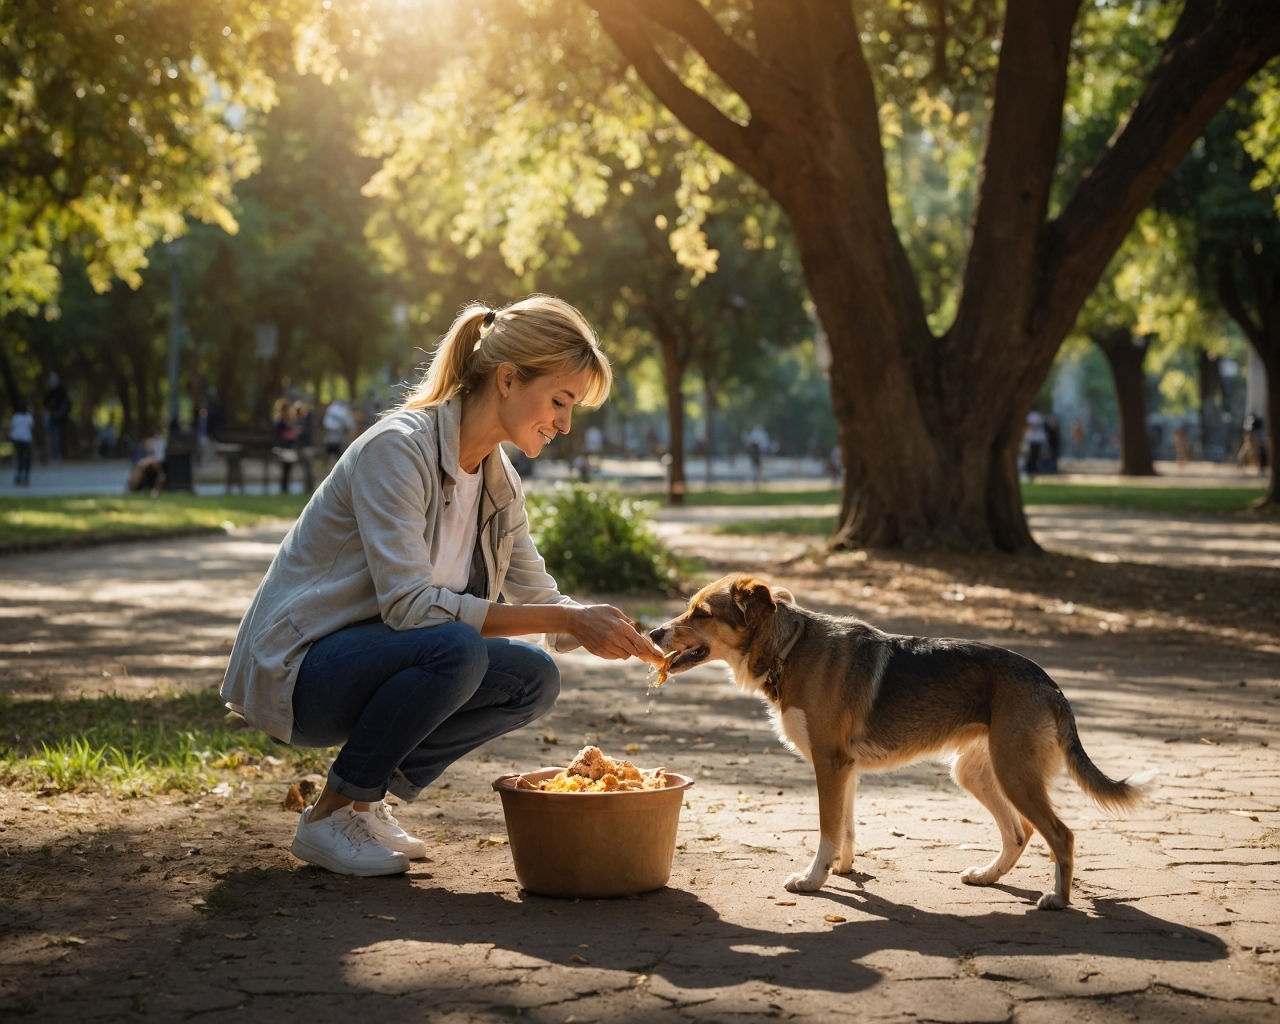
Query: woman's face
{"points": [[532, 414]]}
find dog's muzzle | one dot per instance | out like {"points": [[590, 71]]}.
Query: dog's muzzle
{"points": [[688, 658]]}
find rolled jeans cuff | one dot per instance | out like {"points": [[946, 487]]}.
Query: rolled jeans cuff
{"points": [[401, 787], [364, 794]]}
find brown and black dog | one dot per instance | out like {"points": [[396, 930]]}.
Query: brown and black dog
{"points": [[851, 698]]}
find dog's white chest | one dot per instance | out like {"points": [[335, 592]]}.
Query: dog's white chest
{"points": [[793, 729]]}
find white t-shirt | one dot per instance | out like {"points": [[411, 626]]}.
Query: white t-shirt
{"points": [[20, 424], [456, 535], [1035, 428]]}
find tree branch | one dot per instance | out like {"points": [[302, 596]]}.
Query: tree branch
{"points": [[1016, 174], [700, 115], [766, 93], [1205, 62]]}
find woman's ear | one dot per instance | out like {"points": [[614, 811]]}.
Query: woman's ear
{"points": [[505, 377]]}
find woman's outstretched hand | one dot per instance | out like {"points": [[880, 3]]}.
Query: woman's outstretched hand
{"points": [[606, 632]]}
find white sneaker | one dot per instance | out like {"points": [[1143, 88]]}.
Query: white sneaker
{"points": [[388, 832], [344, 844]]}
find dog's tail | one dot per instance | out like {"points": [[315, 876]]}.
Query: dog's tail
{"points": [[1106, 792]]}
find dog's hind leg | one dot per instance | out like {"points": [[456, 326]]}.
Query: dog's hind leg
{"points": [[835, 775], [972, 769], [844, 855], [1024, 778]]}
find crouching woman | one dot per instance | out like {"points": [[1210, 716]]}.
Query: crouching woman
{"points": [[382, 624]]}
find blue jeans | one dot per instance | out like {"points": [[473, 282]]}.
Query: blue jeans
{"points": [[406, 704]]}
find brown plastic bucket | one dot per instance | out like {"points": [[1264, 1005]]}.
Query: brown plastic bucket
{"points": [[591, 845]]}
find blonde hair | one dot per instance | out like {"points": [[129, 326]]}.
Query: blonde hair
{"points": [[537, 335]]}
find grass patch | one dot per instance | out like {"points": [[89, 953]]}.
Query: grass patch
{"points": [[50, 520], [1172, 500], [826, 496], [1168, 500], [131, 747], [796, 526]]}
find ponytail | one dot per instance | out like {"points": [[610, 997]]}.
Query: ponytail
{"points": [[538, 335]]}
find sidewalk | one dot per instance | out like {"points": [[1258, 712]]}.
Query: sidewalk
{"points": [[178, 907]]}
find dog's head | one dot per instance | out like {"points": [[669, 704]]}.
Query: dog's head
{"points": [[721, 622]]}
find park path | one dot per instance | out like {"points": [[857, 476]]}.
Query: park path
{"points": [[109, 914]]}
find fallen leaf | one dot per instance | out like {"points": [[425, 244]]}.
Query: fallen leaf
{"points": [[238, 936], [835, 919], [785, 903], [64, 940], [293, 800], [379, 917], [579, 959]]}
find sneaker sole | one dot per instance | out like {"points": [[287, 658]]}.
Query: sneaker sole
{"points": [[311, 855], [414, 849]]}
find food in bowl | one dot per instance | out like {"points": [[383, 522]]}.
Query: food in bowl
{"points": [[593, 772]]}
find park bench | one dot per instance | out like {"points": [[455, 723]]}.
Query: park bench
{"points": [[235, 447]]}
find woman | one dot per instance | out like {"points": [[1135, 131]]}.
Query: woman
{"points": [[381, 624]]}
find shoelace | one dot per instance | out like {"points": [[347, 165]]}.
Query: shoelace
{"points": [[357, 830], [383, 813]]}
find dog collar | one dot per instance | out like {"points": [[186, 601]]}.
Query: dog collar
{"points": [[773, 678]]}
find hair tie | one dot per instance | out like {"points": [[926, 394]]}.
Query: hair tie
{"points": [[486, 327]]}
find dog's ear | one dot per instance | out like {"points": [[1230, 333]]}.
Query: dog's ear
{"points": [[783, 594], [754, 600]]}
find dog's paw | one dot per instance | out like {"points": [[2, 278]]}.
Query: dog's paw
{"points": [[1051, 901], [977, 876], [843, 867], [803, 881]]}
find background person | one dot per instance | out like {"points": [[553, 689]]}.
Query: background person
{"points": [[378, 625], [57, 410], [21, 426], [1035, 437], [337, 423]]}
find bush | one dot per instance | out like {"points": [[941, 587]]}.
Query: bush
{"points": [[599, 540]]}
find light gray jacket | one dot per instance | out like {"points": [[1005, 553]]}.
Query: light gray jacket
{"points": [[363, 549]]}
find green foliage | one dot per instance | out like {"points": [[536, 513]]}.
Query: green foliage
{"points": [[598, 540], [127, 747], [119, 119], [29, 520]]}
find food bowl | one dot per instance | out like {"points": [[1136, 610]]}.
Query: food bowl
{"points": [[591, 845]]}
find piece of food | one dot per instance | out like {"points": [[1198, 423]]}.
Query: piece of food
{"points": [[592, 772], [664, 667]]}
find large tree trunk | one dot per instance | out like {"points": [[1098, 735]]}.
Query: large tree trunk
{"points": [[1272, 498], [1261, 326], [709, 397], [673, 367], [1125, 355], [1210, 385], [929, 427]]}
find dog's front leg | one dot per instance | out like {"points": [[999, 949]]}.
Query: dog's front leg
{"points": [[835, 775]]}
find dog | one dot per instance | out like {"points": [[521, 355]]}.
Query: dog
{"points": [[851, 698]]}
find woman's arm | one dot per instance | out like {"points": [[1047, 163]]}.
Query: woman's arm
{"points": [[603, 630]]}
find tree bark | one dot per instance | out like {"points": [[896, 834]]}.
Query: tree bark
{"points": [[709, 397], [1210, 384], [674, 364], [1125, 355], [1262, 327], [929, 426]]}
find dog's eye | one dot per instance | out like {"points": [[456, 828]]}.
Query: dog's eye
{"points": [[702, 613]]}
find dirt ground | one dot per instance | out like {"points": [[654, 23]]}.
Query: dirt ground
{"points": [[185, 906]]}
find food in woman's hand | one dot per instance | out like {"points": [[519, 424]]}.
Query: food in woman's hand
{"points": [[592, 772], [664, 667]]}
